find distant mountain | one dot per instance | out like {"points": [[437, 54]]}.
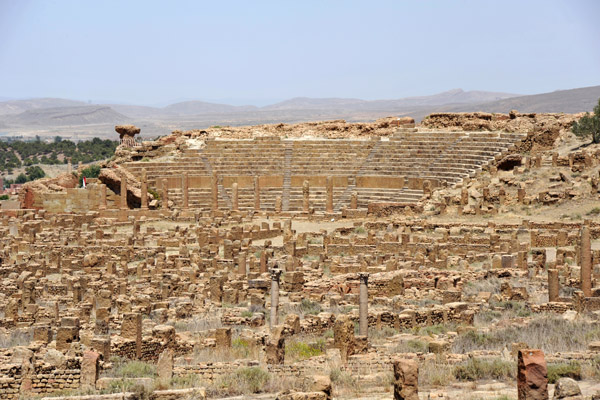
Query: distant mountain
{"points": [[196, 107], [567, 101], [450, 97], [64, 116], [19, 106]]}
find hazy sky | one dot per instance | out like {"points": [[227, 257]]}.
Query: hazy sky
{"points": [[256, 52]]}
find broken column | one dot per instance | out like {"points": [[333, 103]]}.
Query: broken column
{"points": [[343, 336], [214, 191], [234, 197], [275, 274], [305, 196], [242, 263], [90, 369], [329, 190], [256, 194], [144, 189], [586, 262], [553, 285], [363, 304], [532, 375], [406, 380]]}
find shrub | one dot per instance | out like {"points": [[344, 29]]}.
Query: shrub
{"points": [[134, 369], [93, 171], [302, 350], [564, 370], [310, 307], [4, 197], [476, 369], [588, 125], [243, 381]]}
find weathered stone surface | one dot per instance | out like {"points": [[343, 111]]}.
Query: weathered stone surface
{"points": [[532, 376], [406, 376]]}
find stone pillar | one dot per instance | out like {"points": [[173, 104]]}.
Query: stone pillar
{"points": [[586, 262], [234, 197], [329, 190], [165, 194], [305, 197], [131, 328], [464, 197], [532, 375], [278, 205], [406, 380], [275, 274], [521, 195], [223, 338], [354, 201], [363, 304], [184, 191], [69, 167], [102, 196], [242, 263], [343, 336], [164, 365], [263, 261], [123, 191], [554, 159], [90, 368], [144, 189], [214, 190], [256, 194], [553, 286]]}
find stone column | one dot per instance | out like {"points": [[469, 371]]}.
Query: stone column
{"points": [[263, 261], [184, 191], [521, 195], [363, 304], [275, 274], [123, 191], [242, 263], [165, 194], [144, 189], [90, 368], [532, 375], [214, 188], [329, 189], [278, 205], [553, 287], [406, 380], [256, 194], [586, 262], [102, 196], [234, 197], [305, 197], [131, 328], [354, 201]]}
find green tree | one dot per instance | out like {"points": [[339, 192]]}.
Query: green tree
{"points": [[22, 178], [34, 173], [589, 125]]}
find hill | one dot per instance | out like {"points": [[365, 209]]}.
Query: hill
{"points": [[19, 106], [567, 101], [59, 116]]}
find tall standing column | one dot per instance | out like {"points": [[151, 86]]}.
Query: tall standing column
{"points": [[214, 187], [305, 196], [144, 189], [165, 194], [275, 274], [123, 191], [586, 262], [234, 197], [242, 263], [329, 189], [184, 191], [256, 194], [102, 196], [553, 287], [363, 305], [354, 201]]}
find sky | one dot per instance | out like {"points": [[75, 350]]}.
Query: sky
{"points": [[259, 52]]}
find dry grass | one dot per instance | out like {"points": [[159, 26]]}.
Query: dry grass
{"points": [[550, 333]]}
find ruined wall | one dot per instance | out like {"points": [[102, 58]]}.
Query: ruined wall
{"points": [[542, 129]]}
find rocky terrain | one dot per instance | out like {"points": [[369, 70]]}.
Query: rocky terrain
{"points": [[278, 261]]}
